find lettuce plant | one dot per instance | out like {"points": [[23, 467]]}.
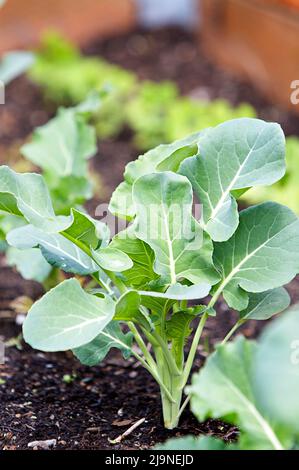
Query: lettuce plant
{"points": [[188, 115], [163, 274], [66, 78], [252, 385], [157, 113], [147, 113], [154, 111]]}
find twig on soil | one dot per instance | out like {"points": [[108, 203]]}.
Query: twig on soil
{"points": [[127, 432]]}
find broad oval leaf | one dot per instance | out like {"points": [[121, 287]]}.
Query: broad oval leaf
{"points": [[28, 194], [264, 305], [112, 259], [66, 318], [56, 249], [224, 389], [232, 157], [162, 158], [262, 254], [62, 146], [276, 371], [112, 336], [88, 231], [29, 263], [181, 292], [163, 203]]}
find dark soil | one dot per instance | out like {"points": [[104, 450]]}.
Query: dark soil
{"points": [[101, 403]]}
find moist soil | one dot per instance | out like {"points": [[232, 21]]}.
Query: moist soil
{"points": [[51, 396]]}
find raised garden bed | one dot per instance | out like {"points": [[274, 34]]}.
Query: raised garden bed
{"points": [[259, 42], [22, 23]]}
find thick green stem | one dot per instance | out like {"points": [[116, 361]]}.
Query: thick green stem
{"points": [[173, 382]]}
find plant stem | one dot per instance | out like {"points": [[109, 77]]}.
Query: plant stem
{"points": [[186, 401], [155, 375], [117, 282], [142, 346], [167, 354], [173, 384], [193, 349], [233, 329]]}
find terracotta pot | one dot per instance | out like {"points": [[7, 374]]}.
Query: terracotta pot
{"points": [[257, 41], [22, 22]]}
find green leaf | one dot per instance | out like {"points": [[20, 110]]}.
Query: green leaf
{"points": [[224, 389], [112, 336], [28, 194], [162, 158], [56, 249], [88, 231], [233, 156], [142, 256], [264, 305], [69, 191], [181, 292], [262, 254], [192, 443], [112, 259], [128, 309], [66, 318], [14, 64], [30, 263], [276, 371], [164, 221], [62, 146], [178, 330]]}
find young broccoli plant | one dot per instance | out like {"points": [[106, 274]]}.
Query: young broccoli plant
{"points": [[61, 148], [164, 273]]}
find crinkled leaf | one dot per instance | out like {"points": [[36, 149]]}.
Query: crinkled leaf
{"points": [[233, 156], [28, 194], [224, 389], [164, 221], [112, 336], [66, 318], [262, 254], [162, 158], [276, 371], [56, 249], [30, 263], [264, 305]]}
